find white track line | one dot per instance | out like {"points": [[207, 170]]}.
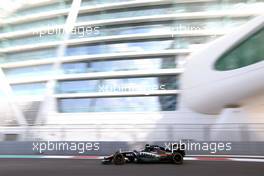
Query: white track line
{"points": [[247, 160], [229, 156]]}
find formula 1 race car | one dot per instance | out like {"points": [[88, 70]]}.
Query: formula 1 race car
{"points": [[151, 154]]}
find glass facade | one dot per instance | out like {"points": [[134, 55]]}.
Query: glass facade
{"points": [[94, 66], [98, 2], [246, 53], [119, 23], [163, 9], [119, 47], [119, 85], [120, 65], [208, 24], [29, 55], [157, 27], [29, 88], [36, 24], [29, 40], [136, 46], [126, 13], [61, 4], [40, 70], [120, 104], [111, 30]]}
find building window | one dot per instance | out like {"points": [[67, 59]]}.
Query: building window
{"points": [[119, 65], [94, 2], [37, 24], [29, 40], [249, 52], [126, 13], [29, 55], [119, 104], [121, 29], [40, 70], [29, 88], [44, 8], [120, 47], [119, 85]]}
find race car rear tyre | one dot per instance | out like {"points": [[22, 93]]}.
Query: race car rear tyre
{"points": [[177, 158], [119, 159]]}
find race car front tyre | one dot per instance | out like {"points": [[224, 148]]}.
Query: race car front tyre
{"points": [[177, 158], [119, 159]]}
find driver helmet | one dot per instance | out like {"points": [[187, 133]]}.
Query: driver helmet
{"points": [[147, 146]]}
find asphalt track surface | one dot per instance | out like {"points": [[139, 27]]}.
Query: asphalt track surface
{"points": [[64, 167]]}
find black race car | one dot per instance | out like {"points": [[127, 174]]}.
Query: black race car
{"points": [[151, 154]]}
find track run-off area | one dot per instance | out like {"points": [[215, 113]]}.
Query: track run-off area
{"points": [[27, 165]]}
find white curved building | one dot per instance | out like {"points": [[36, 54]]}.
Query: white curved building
{"points": [[229, 72], [107, 68]]}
